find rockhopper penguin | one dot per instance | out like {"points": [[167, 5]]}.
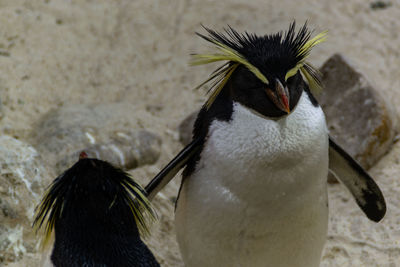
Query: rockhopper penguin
{"points": [[254, 187], [97, 213]]}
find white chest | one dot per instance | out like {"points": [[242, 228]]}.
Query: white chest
{"points": [[258, 191], [255, 153]]}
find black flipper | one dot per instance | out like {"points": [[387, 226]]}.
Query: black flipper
{"points": [[363, 188], [173, 167]]}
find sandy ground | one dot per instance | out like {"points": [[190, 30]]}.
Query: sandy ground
{"points": [[55, 53]]}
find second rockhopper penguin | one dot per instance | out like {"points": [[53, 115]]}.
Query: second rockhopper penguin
{"points": [[97, 213]]}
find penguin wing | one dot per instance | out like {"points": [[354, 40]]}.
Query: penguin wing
{"points": [[363, 188], [172, 168]]}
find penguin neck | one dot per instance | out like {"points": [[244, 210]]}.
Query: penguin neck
{"points": [[222, 110]]}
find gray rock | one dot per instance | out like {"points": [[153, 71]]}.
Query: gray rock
{"points": [[127, 150], [22, 181], [106, 130], [358, 117], [377, 5], [186, 128]]}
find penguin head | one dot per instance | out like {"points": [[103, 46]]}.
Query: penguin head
{"points": [[264, 73], [97, 213]]}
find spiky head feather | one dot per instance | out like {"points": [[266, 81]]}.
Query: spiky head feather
{"points": [[265, 56], [96, 190]]}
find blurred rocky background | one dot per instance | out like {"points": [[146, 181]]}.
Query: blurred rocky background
{"points": [[111, 77]]}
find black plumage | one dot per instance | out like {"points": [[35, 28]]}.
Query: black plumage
{"points": [[96, 211]]}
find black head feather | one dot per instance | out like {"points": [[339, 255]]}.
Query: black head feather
{"points": [[271, 54], [269, 57], [96, 211]]}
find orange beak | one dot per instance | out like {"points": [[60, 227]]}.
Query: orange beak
{"points": [[280, 97]]}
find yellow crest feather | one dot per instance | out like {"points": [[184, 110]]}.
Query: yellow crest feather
{"points": [[310, 73], [319, 38], [230, 43], [312, 76], [226, 54], [221, 85]]}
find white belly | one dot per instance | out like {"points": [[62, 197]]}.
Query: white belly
{"points": [[258, 195]]}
